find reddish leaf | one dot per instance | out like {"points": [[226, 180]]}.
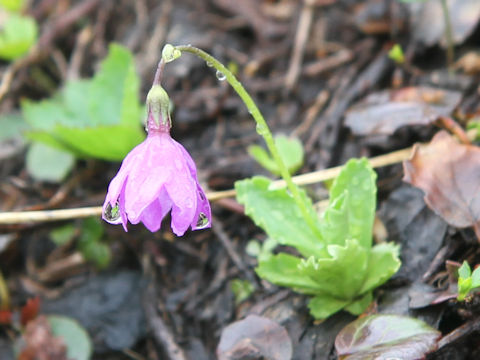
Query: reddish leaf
{"points": [[5, 317], [386, 336], [30, 310], [386, 111], [40, 344], [448, 173], [254, 337]]}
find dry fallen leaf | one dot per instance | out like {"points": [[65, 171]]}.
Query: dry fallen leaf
{"points": [[449, 174], [254, 337], [386, 111], [40, 342]]}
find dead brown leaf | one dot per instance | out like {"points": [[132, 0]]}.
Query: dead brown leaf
{"points": [[40, 342], [386, 111], [449, 174], [254, 337]]}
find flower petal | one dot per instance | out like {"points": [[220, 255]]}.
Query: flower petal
{"points": [[153, 214], [203, 214]]}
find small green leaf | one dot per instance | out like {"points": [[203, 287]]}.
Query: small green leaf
{"points": [[464, 271], [62, 234], [45, 163], [476, 278], [12, 5], [283, 270], [90, 243], [396, 54], [13, 125], [79, 345], [276, 212], [242, 289], [464, 287], [17, 36], [351, 210], [386, 337], [290, 150]]}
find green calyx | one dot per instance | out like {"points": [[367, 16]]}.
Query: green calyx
{"points": [[158, 105]]}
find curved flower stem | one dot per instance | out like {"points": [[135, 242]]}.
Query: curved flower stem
{"points": [[262, 128]]}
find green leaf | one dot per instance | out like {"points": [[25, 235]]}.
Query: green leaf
{"points": [[17, 36], [383, 262], [283, 270], [464, 271], [290, 150], [79, 345], [276, 212], [13, 125], [90, 243], [396, 54], [97, 118], [340, 275], [323, 305], [351, 210], [12, 5], [384, 337], [45, 163], [359, 306], [242, 289], [476, 278], [62, 234]]}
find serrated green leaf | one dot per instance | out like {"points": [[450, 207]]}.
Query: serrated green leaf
{"points": [[79, 345], [45, 163], [290, 150], [357, 307], [341, 274], [97, 118], [276, 212], [351, 210], [324, 305], [283, 270], [383, 262], [17, 36], [464, 271]]}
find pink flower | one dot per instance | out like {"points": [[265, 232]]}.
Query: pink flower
{"points": [[157, 176]]}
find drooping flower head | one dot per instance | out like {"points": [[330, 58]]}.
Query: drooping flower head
{"points": [[156, 177]]}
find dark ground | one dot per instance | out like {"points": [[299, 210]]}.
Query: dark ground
{"points": [[160, 290]]}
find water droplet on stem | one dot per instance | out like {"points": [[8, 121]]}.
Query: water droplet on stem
{"points": [[220, 76]]}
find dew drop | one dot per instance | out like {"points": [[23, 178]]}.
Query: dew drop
{"points": [[261, 129], [111, 213], [202, 221], [209, 64], [220, 76]]}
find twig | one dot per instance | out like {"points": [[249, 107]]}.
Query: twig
{"points": [[20, 217], [301, 37], [161, 334]]}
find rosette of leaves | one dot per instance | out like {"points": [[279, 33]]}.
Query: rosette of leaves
{"points": [[336, 262]]}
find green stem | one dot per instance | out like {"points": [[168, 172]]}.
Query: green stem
{"points": [[448, 34], [262, 128]]}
